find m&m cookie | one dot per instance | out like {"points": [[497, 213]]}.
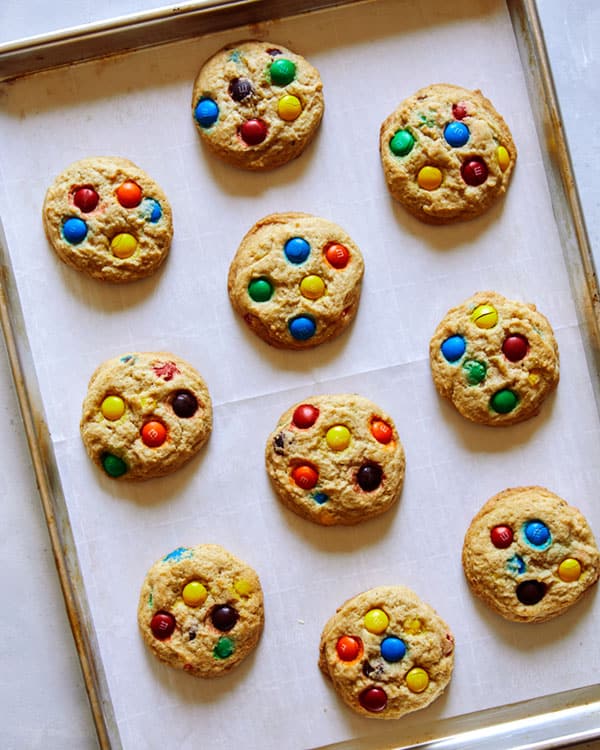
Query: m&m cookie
{"points": [[529, 555], [144, 415], [336, 459], [447, 155], [201, 610], [296, 280], [104, 216], [387, 652], [496, 359], [257, 105]]}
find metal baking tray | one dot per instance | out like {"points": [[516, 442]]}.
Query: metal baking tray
{"points": [[557, 719]]}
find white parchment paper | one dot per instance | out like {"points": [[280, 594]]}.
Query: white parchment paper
{"points": [[370, 57]]}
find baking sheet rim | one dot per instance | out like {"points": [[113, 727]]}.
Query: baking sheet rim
{"points": [[566, 721]]}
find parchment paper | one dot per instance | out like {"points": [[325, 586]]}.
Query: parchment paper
{"points": [[370, 56]]}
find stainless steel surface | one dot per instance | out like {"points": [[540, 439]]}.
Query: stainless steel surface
{"points": [[557, 721]]}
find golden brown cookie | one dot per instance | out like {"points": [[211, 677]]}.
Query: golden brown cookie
{"points": [[387, 652], [104, 216], [447, 155], [257, 105], [145, 414], [495, 359], [296, 280], [201, 610], [336, 459], [529, 555]]}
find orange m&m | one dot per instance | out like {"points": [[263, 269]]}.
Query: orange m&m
{"points": [[305, 476], [348, 647], [154, 434], [381, 431], [129, 194]]}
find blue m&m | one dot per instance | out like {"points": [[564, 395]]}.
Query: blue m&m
{"points": [[456, 134], [537, 533], [302, 327], [453, 348], [74, 230], [296, 250], [393, 649], [206, 112]]}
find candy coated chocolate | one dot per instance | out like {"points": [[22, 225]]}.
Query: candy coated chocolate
{"points": [[224, 617], [86, 199], [240, 88], [369, 477], [184, 404], [373, 699], [530, 592], [253, 131], [162, 625], [305, 416]]}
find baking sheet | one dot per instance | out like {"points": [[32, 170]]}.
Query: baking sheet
{"points": [[370, 56]]}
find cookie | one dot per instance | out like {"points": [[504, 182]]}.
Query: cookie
{"points": [[201, 610], [296, 280], [336, 459], [145, 415], [257, 105], [529, 555], [387, 652], [496, 359], [104, 216], [447, 155]]}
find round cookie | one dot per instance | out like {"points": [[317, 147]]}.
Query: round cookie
{"points": [[144, 415], [387, 652], [201, 610], [336, 459], [496, 359], [529, 555], [446, 153], [296, 280], [257, 105], [104, 216]]}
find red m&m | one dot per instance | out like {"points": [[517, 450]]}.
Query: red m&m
{"points": [[86, 199], [305, 416], [474, 171], [373, 699], [337, 255], [501, 536], [515, 347], [253, 132], [162, 625]]}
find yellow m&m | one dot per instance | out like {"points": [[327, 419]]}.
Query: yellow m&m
{"points": [[429, 178], [338, 437], [376, 621], [312, 287], [123, 245], [243, 587], [289, 108], [194, 593], [484, 316], [412, 625], [113, 408], [569, 570], [503, 158], [417, 680]]}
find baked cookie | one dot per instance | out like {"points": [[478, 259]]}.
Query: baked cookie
{"points": [[106, 217], [296, 280], [257, 105], [201, 610], [144, 415], [496, 359], [447, 155], [529, 555], [387, 652], [336, 459]]}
